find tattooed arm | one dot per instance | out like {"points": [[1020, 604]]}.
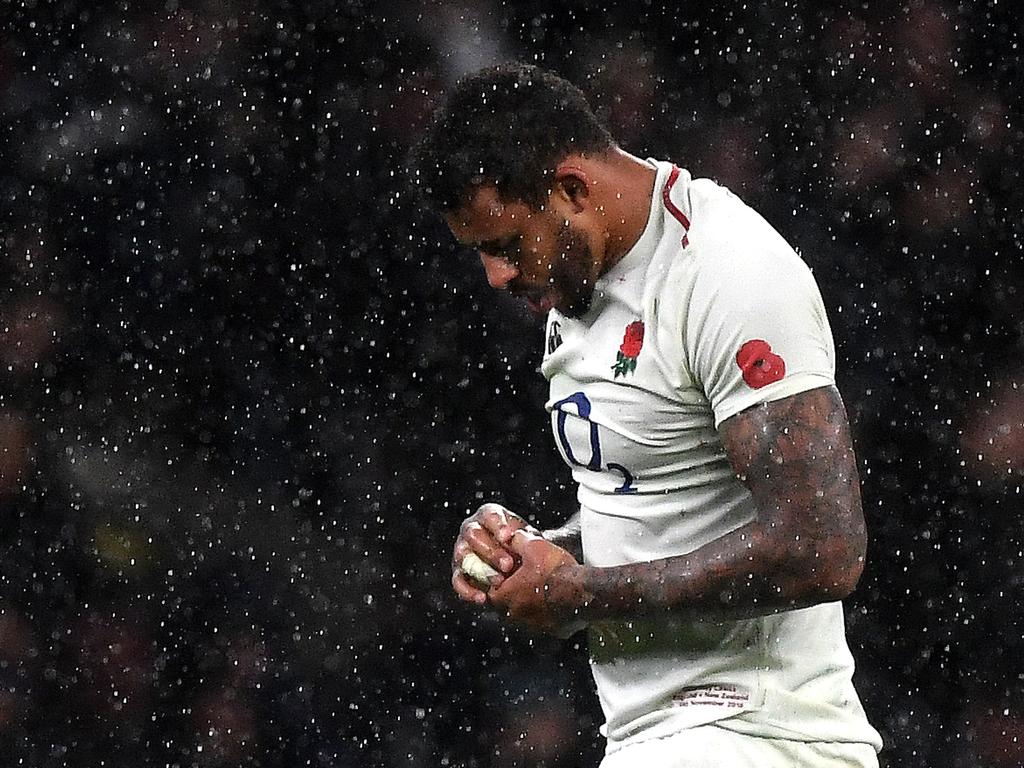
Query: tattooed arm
{"points": [[805, 546]]}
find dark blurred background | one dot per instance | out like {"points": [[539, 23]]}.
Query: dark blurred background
{"points": [[248, 389]]}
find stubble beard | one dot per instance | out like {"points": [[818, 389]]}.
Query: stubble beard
{"points": [[573, 273]]}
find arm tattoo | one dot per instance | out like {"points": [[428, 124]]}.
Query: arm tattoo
{"points": [[805, 546]]}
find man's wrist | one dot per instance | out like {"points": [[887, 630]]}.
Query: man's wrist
{"points": [[567, 585], [567, 536]]}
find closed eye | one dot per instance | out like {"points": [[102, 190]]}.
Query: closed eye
{"points": [[510, 250]]}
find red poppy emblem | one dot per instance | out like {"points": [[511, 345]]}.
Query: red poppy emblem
{"points": [[632, 343], [759, 364]]}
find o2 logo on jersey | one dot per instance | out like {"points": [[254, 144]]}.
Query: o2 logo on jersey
{"points": [[578, 405]]}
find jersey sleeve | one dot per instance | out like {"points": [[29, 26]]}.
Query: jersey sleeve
{"points": [[755, 326]]}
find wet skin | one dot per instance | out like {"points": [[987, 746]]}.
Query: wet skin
{"points": [[795, 455], [806, 545], [540, 255]]}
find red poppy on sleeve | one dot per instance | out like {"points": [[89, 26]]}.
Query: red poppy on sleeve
{"points": [[760, 366]]}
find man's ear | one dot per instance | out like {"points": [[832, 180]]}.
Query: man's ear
{"points": [[572, 185]]}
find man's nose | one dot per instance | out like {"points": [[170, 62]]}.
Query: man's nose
{"points": [[499, 271]]}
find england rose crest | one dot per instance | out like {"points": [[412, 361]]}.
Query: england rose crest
{"points": [[632, 342]]}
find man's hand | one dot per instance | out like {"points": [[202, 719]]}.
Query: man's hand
{"points": [[545, 591], [486, 532]]}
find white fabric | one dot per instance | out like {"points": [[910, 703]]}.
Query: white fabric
{"points": [[710, 746], [707, 276]]}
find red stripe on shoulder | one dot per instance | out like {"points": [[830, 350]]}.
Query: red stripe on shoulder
{"points": [[672, 207]]}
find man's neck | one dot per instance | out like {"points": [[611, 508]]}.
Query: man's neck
{"points": [[627, 203]]}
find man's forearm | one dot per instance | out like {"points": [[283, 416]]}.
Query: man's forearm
{"points": [[568, 537], [748, 572], [805, 546]]}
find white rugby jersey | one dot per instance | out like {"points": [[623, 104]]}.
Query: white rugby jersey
{"points": [[709, 313]]}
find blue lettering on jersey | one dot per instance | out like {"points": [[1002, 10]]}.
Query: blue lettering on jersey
{"points": [[583, 411], [627, 477], [583, 408]]}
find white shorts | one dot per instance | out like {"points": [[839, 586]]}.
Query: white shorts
{"points": [[709, 746]]}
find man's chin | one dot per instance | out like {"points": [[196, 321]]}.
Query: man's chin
{"points": [[575, 307], [542, 305]]}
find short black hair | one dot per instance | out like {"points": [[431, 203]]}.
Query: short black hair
{"points": [[508, 126]]}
